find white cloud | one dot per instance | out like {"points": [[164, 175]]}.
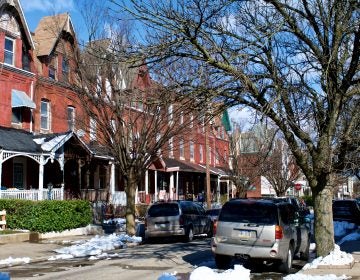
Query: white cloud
{"points": [[47, 5]]}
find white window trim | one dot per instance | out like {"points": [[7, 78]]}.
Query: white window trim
{"points": [[181, 149], [13, 50], [171, 147], [72, 108], [92, 130], [192, 151], [43, 115]]}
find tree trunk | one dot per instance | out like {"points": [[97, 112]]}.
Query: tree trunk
{"points": [[323, 224], [130, 190]]}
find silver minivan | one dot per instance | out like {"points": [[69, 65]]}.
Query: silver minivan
{"points": [[257, 230], [177, 218]]}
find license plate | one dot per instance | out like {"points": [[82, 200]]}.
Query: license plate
{"points": [[161, 226], [243, 234]]}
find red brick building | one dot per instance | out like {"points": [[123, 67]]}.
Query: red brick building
{"points": [[44, 144]]}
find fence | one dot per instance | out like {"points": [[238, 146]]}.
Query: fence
{"points": [[53, 194], [3, 219]]}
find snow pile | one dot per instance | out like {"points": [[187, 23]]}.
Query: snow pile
{"points": [[336, 257], [300, 276], [203, 272], [95, 246], [14, 261]]}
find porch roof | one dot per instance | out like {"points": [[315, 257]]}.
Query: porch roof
{"points": [[17, 140], [184, 166]]}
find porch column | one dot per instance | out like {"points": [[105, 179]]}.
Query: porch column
{"points": [[112, 181], [1, 162], [146, 182], [156, 191], [41, 177], [171, 187], [177, 184], [218, 190], [227, 189]]}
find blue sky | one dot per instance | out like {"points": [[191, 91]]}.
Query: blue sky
{"points": [[34, 10]]}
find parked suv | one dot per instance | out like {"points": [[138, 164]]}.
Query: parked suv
{"points": [[258, 230], [346, 210], [177, 218]]}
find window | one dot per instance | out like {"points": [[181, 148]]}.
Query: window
{"points": [[53, 68], [92, 132], [25, 59], [71, 117], [45, 114], [170, 112], [65, 69], [192, 152], [181, 117], [16, 115], [18, 175], [181, 149], [191, 121], [203, 123], [171, 147], [9, 51], [201, 152]]}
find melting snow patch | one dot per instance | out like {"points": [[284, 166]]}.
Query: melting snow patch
{"points": [[13, 261], [335, 257], [300, 276]]}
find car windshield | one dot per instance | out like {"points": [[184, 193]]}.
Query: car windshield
{"points": [[165, 209], [242, 213]]}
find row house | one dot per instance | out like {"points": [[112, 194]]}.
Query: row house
{"points": [[48, 141]]}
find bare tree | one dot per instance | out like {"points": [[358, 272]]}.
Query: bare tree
{"points": [[279, 168], [131, 116], [245, 160], [295, 62]]}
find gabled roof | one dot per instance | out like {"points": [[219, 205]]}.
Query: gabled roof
{"points": [[16, 4], [49, 30], [52, 142]]}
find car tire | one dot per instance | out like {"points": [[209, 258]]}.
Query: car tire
{"points": [[189, 234], [222, 261], [306, 254], [286, 265]]}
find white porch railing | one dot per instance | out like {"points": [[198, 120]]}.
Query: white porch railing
{"points": [[118, 198], [55, 194]]}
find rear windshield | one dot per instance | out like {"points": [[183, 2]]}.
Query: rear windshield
{"points": [[165, 209], [213, 212], [249, 213]]}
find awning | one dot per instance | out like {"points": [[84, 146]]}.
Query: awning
{"points": [[21, 99]]}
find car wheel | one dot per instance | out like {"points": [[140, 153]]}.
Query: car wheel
{"points": [[189, 235], [306, 254], [222, 261], [287, 264]]}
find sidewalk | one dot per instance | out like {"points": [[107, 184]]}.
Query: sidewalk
{"points": [[43, 250], [352, 247]]}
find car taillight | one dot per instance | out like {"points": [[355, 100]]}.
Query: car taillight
{"points": [[278, 232], [214, 227], [181, 221]]}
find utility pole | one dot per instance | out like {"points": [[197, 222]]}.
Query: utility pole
{"points": [[207, 152]]}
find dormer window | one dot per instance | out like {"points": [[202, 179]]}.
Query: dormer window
{"points": [[25, 60], [65, 69], [9, 51], [53, 68]]}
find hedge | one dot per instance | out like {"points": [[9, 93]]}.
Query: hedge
{"points": [[47, 215]]}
